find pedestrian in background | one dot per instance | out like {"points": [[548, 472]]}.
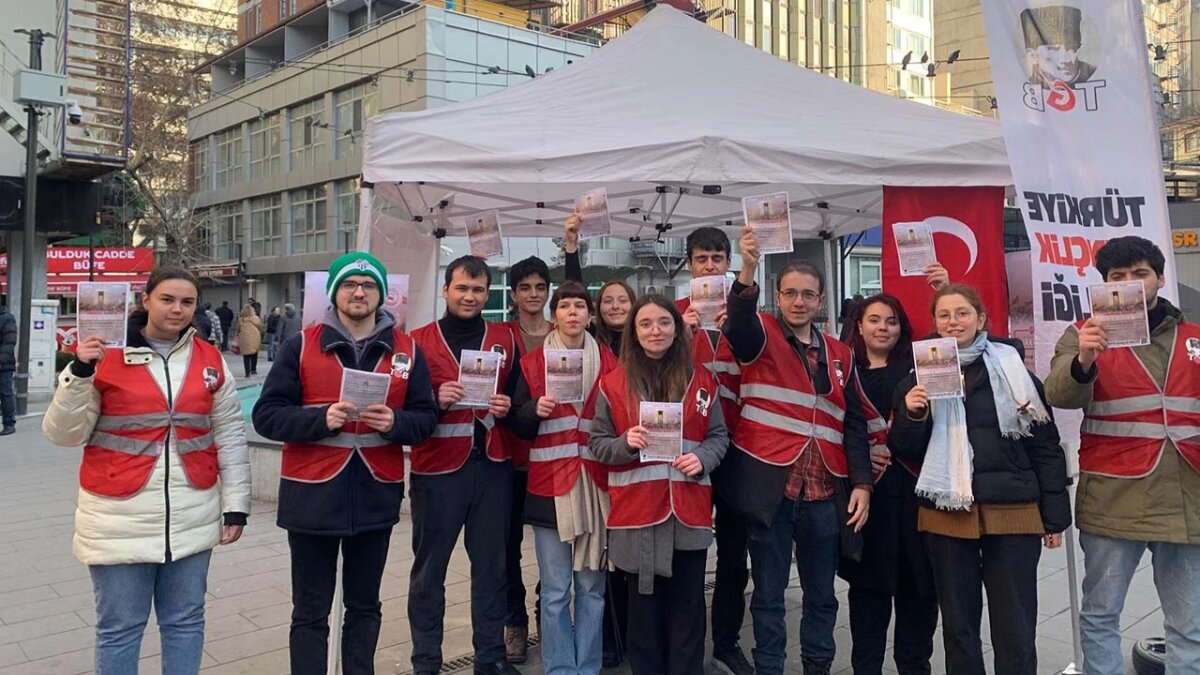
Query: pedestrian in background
{"points": [[160, 422], [289, 324], [8, 366], [249, 338], [225, 315], [272, 332]]}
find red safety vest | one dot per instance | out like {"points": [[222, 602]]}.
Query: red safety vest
{"points": [[781, 410], [645, 494], [1130, 419], [320, 385], [722, 363], [137, 421], [450, 446], [561, 447]]}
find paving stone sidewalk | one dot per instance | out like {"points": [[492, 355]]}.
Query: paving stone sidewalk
{"points": [[47, 613]]}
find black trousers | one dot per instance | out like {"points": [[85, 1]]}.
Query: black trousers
{"points": [[477, 498], [250, 363], [515, 614], [314, 574], [733, 574], [616, 614], [916, 621], [666, 628], [1006, 565]]}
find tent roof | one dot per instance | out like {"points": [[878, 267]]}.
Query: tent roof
{"points": [[674, 105]]}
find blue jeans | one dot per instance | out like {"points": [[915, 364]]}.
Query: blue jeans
{"points": [[1109, 565], [8, 398], [568, 650], [811, 530], [270, 346], [123, 597]]}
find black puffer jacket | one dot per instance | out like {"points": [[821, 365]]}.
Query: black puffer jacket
{"points": [[1006, 471], [8, 340]]}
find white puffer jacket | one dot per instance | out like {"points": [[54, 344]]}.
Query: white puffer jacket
{"points": [[111, 531]]}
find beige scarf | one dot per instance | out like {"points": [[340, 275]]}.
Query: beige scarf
{"points": [[583, 511]]}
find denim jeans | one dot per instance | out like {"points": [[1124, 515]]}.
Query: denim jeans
{"points": [[124, 594], [811, 530], [8, 398], [568, 650], [1108, 566], [270, 346]]}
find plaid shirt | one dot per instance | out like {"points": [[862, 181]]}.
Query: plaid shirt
{"points": [[809, 475]]}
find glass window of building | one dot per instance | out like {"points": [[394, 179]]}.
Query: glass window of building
{"points": [[781, 21], [265, 147], [496, 308], [306, 131], [748, 14], [308, 220], [201, 233], [201, 165], [229, 157], [351, 108], [226, 231], [346, 218], [266, 226]]}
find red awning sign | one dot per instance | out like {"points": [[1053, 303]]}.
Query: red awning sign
{"points": [[75, 259]]}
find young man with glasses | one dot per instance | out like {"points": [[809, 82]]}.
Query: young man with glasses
{"points": [[800, 446], [342, 475]]}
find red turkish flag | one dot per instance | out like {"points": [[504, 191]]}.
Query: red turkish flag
{"points": [[968, 238]]}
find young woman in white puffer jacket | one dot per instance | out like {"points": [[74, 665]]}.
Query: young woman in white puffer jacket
{"points": [[164, 456]]}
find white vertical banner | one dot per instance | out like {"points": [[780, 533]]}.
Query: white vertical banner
{"points": [[1073, 89]]}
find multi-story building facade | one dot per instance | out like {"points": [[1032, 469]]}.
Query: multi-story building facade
{"points": [[276, 153]]}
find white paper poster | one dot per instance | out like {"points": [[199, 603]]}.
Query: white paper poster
{"points": [[103, 311], [483, 234], [914, 248], [479, 373], [592, 207], [664, 425], [771, 219], [1072, 85]]}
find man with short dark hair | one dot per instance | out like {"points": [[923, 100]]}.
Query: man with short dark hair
{"points": [[462, 479], [708, 254], [8, 366], [1139, 463]]}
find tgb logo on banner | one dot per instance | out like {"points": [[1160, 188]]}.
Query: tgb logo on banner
{"points": [[1059, 76], [1082, 137]]}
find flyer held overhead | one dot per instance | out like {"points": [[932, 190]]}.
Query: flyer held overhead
{"points": [[592, 207], [770, 216], [483, 233], [914, 248]]}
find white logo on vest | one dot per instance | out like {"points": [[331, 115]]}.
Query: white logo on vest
{"points": [[703, 402]]}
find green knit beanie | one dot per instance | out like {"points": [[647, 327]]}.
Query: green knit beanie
{"points": [[355, 263]]}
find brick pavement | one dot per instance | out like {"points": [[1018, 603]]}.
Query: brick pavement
{"points": [[47, 615]]}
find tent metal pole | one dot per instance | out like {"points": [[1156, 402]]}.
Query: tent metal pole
{"points": [[831, 319]]}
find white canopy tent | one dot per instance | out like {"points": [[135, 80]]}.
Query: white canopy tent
{"points": [[678, 121]]}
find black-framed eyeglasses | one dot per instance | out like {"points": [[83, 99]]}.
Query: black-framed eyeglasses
{"points": [[353, 286]]}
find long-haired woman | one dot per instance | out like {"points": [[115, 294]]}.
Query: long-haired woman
{"points": [[567, 501], [660, 526], [160, 422], [993, 488], [894, 568], [614, 301]]}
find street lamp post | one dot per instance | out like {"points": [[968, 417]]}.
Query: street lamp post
{"points": [[36, 38]]}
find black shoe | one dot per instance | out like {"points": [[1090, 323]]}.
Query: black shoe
{"points": [[733, 661], [503, 668], [8, 431], [816, 666]]}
